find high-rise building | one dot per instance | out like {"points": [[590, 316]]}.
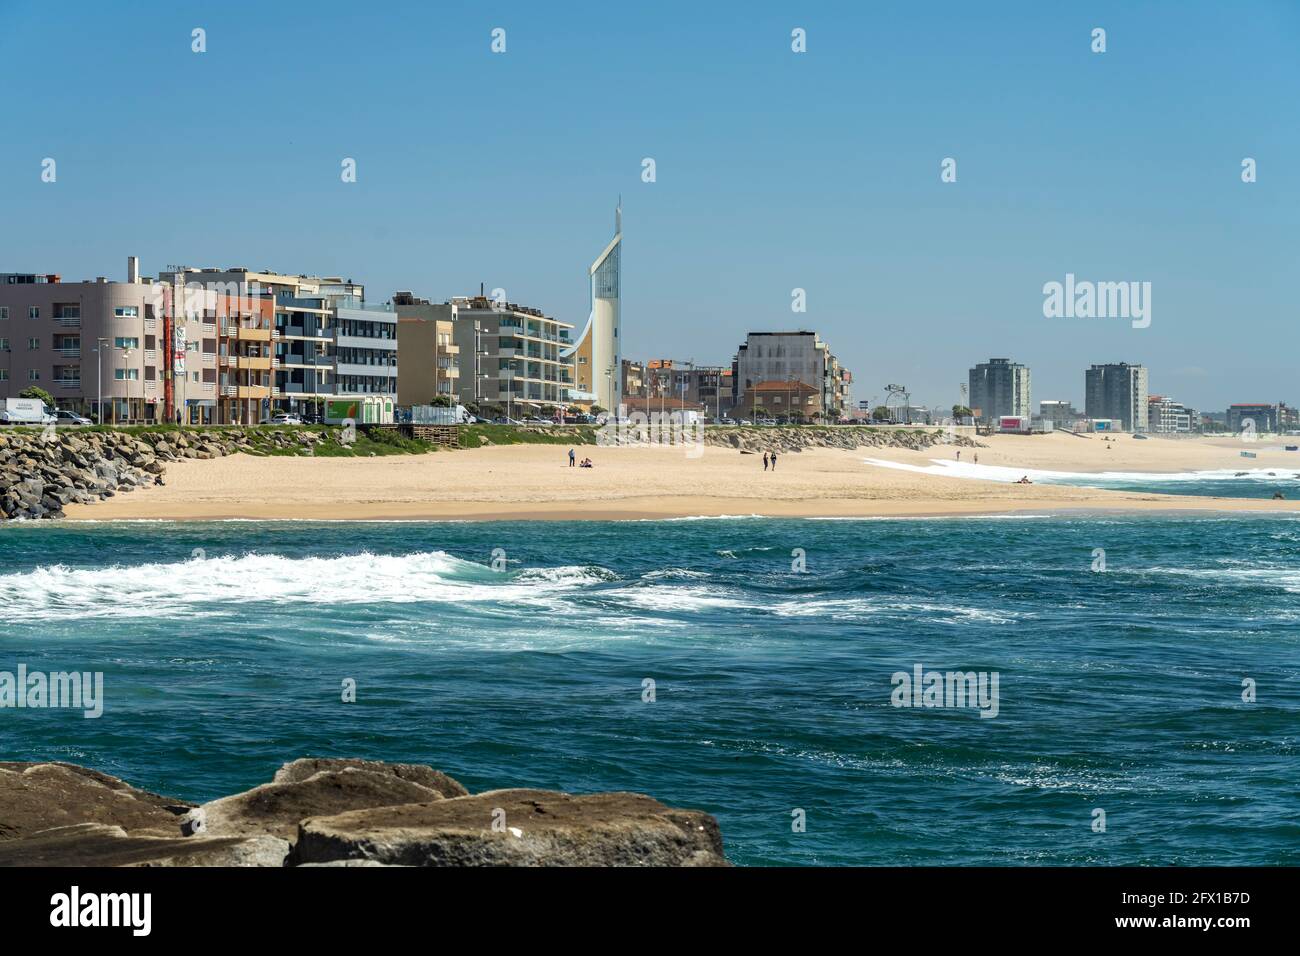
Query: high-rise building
{"points": [[1118, 392], [1000, 387], [596, 354], [791, 357]]}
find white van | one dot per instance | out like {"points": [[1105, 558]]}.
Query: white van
{"points": [[25, 411]]}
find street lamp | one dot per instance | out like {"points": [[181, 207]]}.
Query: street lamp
{"points": [[126, 380], [99, 379]]}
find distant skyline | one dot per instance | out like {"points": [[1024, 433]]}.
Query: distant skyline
{"points": [[775, 170]]}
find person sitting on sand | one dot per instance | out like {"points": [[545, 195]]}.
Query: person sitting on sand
{"points": [[1277, 495], [1024, 480]]}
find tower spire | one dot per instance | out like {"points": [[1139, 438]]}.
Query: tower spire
{"points": [[618, 216]]}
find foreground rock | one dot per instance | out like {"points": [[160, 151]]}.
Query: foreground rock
{"points": [[334, 812], [518, 828]]}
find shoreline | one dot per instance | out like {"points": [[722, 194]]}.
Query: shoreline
{"points": [[659, 509]]}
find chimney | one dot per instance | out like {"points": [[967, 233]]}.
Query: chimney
{"points": [[133, 269]]}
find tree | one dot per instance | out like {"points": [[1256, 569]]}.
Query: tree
{"points": [[881, 413], [35, 391], [760, 411], [961, 411], [598, 409], [441, 401]]}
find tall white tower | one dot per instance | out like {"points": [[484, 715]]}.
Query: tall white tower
{"points": [[597, 354]]}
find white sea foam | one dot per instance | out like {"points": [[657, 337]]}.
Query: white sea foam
{"points": [[205, 586], [950, 468]]}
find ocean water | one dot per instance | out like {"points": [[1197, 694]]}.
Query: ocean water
{"points": [[1246, 481], [224, 647]]}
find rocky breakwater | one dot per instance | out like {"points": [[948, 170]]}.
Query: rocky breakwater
{"points": [[338, 812], [795, 438], [42, 471]]}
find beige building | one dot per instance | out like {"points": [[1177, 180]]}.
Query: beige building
{"points": [[430, 366], [791, 356]]}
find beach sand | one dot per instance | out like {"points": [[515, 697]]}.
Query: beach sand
{"points": [[535, 482]]}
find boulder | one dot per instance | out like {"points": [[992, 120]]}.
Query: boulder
{"points": [[306, 767], [277, 808], [98, 844], [517, 828], [39, 796]]}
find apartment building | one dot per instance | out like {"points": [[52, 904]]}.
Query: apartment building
{"points": [[519, 356], [1000, 387], [84, 342], [1262, 417], [317, 338], [791, 356], [1061, 413], [1117, 391], [708, 386], [430, 357], [1167, 417]]}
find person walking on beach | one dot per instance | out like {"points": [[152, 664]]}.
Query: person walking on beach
{"points": [[765, 461], [774, 459], [977, 458], [959, 454], [571, 457]]}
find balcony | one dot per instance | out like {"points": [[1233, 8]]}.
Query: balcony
{"points": [[347, 368], [230, 391], [69, 321], [67, 383], [68, 351], [247, 334], [228, 361], [262, 363]]}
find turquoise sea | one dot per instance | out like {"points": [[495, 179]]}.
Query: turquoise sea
{"points": [[224, 648]]}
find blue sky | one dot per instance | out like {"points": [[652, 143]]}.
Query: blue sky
{"points": [[775, 170]]}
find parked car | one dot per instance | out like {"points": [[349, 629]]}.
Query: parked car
{"points": [[283, 418], [64, 416]]}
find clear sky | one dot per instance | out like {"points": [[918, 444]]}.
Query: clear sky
{"points": [[775, 170]]}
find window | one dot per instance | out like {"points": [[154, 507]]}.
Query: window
{"points": [[4, 345], [4, 311], [33, 375], [127, 312], [33, 312], [4, 374], [122, 342], [126, 374], [33, 344]]}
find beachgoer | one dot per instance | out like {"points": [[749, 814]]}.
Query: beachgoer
{"points": [[774, 459], [572, 457], [959, 454], [765, 461], [977, 458]]}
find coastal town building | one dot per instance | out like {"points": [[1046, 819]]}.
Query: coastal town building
{"points": [[1000, 387], [1262, 416], [430, 358], [522, 357], [791, 356], [326, 343], [596, 354], [1060, 413], [634, 379], [708, 386], [1167, 417], [790, 399], [1117, 391]]}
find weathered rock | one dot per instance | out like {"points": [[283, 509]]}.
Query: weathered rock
{"points": [[38, 796], [533, 828], [278, 808], [98, 844], [307, 767]]}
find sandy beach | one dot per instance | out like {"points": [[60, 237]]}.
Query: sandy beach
{"points": [[535, 482]]}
